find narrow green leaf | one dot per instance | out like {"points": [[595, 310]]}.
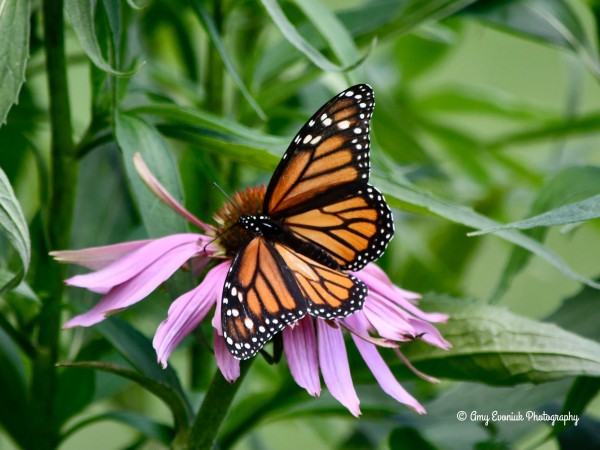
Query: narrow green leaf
{"points": [[82, 19], [14, 51], [14, 226], [552, 21], [212, 125], [14, 413], [410, 199], [498, 347], [160, 390], [241, 151], [551, 130], [138, 351], [569, 185], [584, 210], [146, 426], [293, 37], [329, 26], [484, 399], [212, 31], [408, 438], [480, 100], [75, 390], [579, 314], [582, 392], [134, 135]]}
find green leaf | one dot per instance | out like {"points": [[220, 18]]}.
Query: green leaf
{"points": [[245, 153], [296, 39], [582, 392], [407, 438], [212, 125], [14, 51], [134, 135], [332, 29], [552, 21], [410, 199], [162, 391], [483, 399], [211, 29], [82, 19], [75, 390], [14, 413], [13, 225], [498, 347], [568, 185], [138, 351], [579, 314], [146, 426], [551, 130], [584, 210]]}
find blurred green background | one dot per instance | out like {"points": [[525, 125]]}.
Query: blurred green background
{"points": [[475, 102]]}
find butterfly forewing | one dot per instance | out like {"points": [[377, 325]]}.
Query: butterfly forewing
{"points": [[269, 286], [331, 149]]}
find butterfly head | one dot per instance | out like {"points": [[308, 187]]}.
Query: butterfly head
{"points": [[232, 229]]}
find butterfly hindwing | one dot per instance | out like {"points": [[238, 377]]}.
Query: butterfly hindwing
{"points": [[354, 229], [269, 286], [331, 150]]}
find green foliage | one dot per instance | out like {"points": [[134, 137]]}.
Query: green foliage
{"points": [[486, 126]]}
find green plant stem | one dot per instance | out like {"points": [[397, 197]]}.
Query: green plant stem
{"points": [[213, 410], [62, 198]]}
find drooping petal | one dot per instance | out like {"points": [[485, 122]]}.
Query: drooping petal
{"points": [[97, 257], [300, 346], [137, 262], [387, 319], [185, 313], [136, 288], [334, 366], [160, 191], [429, 334], [379, 283], [382, 372], [228, 365]]}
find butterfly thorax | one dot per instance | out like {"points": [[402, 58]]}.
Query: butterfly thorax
{"points": [[261, 226]]}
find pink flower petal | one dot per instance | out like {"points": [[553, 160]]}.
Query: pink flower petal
{"points": [[379, 283], [300, 346], [137, 262], [186, 313], [160, 191], [97, 257], [429, 334], [382, 372], [334, 366], [138, 287], [388, 319], [228, 365]]}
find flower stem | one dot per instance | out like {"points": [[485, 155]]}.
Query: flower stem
{"points": [[62, 198], [213, 410]]}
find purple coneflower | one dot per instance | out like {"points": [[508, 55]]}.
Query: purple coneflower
{"points": [[126, 273]]}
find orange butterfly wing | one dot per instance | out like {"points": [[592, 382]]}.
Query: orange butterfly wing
{"points": [[270, 286], [320, 216], [320, 189]]}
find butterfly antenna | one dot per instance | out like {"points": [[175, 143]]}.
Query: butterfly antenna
{"points": [[227, 196]]}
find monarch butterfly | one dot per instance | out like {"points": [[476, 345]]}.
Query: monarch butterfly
{"points": [[320, 218]]}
